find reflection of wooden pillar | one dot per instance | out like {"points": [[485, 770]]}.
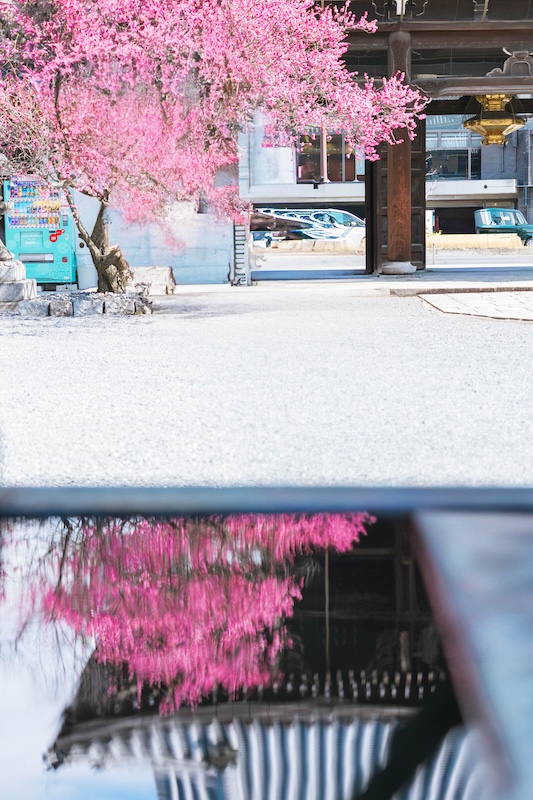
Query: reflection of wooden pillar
{"points": [[399, 174]]}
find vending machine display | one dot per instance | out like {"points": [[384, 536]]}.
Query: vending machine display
{"points": [[39, 230]]}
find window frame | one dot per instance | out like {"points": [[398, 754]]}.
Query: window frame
{"points": [[473, 144]]}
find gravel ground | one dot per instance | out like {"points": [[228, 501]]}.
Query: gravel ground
{"points": [[306, 384]]}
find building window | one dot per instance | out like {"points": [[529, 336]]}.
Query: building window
{"points": [[451, 151], [341, 161], [309, 159], [319, 152]]}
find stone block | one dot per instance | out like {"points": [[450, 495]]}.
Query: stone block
{"points": [[87, 306], [12, 270], [119, 304], [398, 268], [14, 291], [34, 308], [61, 307], [142, 305], [158, 280], [9, 309]]}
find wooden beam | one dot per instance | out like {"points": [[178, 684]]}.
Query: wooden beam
{"points": [[513, 35], [460, 106], [487, 84]]}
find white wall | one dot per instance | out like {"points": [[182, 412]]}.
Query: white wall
{"points": [[268, 175], [480, 190], [270, 165], [201, 253]]}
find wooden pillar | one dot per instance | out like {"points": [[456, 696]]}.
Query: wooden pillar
{"points": [[399, 199], [399, 174]]}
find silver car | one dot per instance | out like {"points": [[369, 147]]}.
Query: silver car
{"points": [[328, 223]]}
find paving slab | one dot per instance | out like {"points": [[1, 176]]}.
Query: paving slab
{"points": [[474, 273], [496, 305], [456, 278]]}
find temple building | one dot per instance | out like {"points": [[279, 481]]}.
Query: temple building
{"points": [[471, 59]]}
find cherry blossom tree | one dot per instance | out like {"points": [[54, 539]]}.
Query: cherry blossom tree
{"points": [[185, 604], [140, 102]]}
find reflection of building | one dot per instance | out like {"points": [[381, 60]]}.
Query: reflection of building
{"points": [[364, 657], [250, 754], [376, 623]]}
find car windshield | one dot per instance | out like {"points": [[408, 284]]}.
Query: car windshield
{"points": [[345, 218], [509, 218]]}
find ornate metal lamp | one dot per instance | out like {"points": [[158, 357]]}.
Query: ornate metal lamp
{"points": [[494, 122]]}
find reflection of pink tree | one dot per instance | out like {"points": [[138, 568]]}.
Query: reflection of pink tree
{"points": [[188, 604]]}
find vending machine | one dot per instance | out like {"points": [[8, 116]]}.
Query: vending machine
{"points": [[40, 231]]}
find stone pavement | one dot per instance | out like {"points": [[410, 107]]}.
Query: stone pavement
{"points": [[291, 384], [499, 292], [497, 305]]}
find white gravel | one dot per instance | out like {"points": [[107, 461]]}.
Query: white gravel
{"points": [[279, 384]]}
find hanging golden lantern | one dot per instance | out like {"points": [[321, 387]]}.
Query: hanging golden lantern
{"points": [[493, 122]]}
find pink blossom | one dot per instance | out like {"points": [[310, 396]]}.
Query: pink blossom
{"points": [[187, 604], [143, 100]]}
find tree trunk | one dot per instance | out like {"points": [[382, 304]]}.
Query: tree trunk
{"points": [[100, 233], [114, 272]]}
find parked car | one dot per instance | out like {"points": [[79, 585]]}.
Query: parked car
{"points": [[266, 226], [328, 223], [345, 218], [504, 220]]}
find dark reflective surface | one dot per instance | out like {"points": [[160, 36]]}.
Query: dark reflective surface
{"points": [[242, 656]]}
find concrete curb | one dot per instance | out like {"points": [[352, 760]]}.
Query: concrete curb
{"points": [[409, 291], [369, 288]]}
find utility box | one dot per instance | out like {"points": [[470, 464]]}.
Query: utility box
{"points": [[430, 221], [87, 275], [39, 230]]}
